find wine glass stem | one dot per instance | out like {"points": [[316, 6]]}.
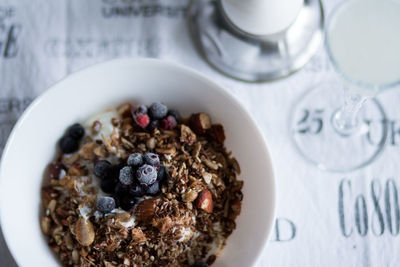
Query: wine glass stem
{"points": [[345, 119]]}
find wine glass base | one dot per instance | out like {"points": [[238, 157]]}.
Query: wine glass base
{"points": [[319, 142], [254, 58]]}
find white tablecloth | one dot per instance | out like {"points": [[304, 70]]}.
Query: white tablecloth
{"points": [[321, 220]]}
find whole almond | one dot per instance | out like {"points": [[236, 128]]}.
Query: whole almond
{"points": [[204, 201], [146, 209], [84, 232]]}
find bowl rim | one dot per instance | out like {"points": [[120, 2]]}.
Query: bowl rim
{"points": [[150, 61]]}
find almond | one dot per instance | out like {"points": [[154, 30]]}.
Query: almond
{"points": [[204, 201], [200, 123], [146, 209], [84, 232]]}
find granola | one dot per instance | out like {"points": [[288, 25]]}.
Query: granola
{"points": [[181, 215]]}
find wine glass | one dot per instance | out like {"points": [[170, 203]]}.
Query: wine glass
{"points": [[362, 40]]}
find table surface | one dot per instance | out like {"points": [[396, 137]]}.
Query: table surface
{"points": [[323, 219]]}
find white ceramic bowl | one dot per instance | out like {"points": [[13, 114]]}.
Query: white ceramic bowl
{"points": [[32, 143]]}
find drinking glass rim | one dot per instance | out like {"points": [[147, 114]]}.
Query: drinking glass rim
{"points": [[337, 67]]}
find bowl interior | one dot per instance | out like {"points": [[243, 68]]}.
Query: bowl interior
{"points": [[31, 147]]}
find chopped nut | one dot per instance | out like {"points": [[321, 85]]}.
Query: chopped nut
{"points": [[68, 183], [151, 143], [108, 264], [123, 217], [84, 232], [137, 236], [187, 136], [189, 196], [162, 224], [200, 123], [236, 206], [87, 150], [210, 164], [204, 201], [75, 256], [125, 110], [75, 170], [45, 225], [207, 177], [100, 151], [169, 150]]}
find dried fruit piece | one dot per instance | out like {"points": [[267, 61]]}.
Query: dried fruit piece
{"points": [[204, 201], [146, 209], [84, 232], [218, 133], [200, 123], [162, 224]]}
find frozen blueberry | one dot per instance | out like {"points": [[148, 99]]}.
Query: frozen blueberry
{"points": [[146, 174], [135, 160], [126, 176], [121, 189], [153, 189], [158, 111], [168, 123], [152, 159], [102, 169], [107, 185], [76, 131], [136, 191], [161, 174], [142, 109], [105, 204], [68, 144], [153, 125], [174, 113], [127, 202], [200, 264]]}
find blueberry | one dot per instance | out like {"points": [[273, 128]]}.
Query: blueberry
{"points": [[153, 125], [153, 189], [105, 204], [142, 109], [68, 144], [126, 176], [107, 185], [152, 159], [158, 111], [161, 174], [135, 160], [121, 189], [102, 169], [136, 191], [127, 202], [174, 113], [146, 174], [200, 264], [76, 131]]}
